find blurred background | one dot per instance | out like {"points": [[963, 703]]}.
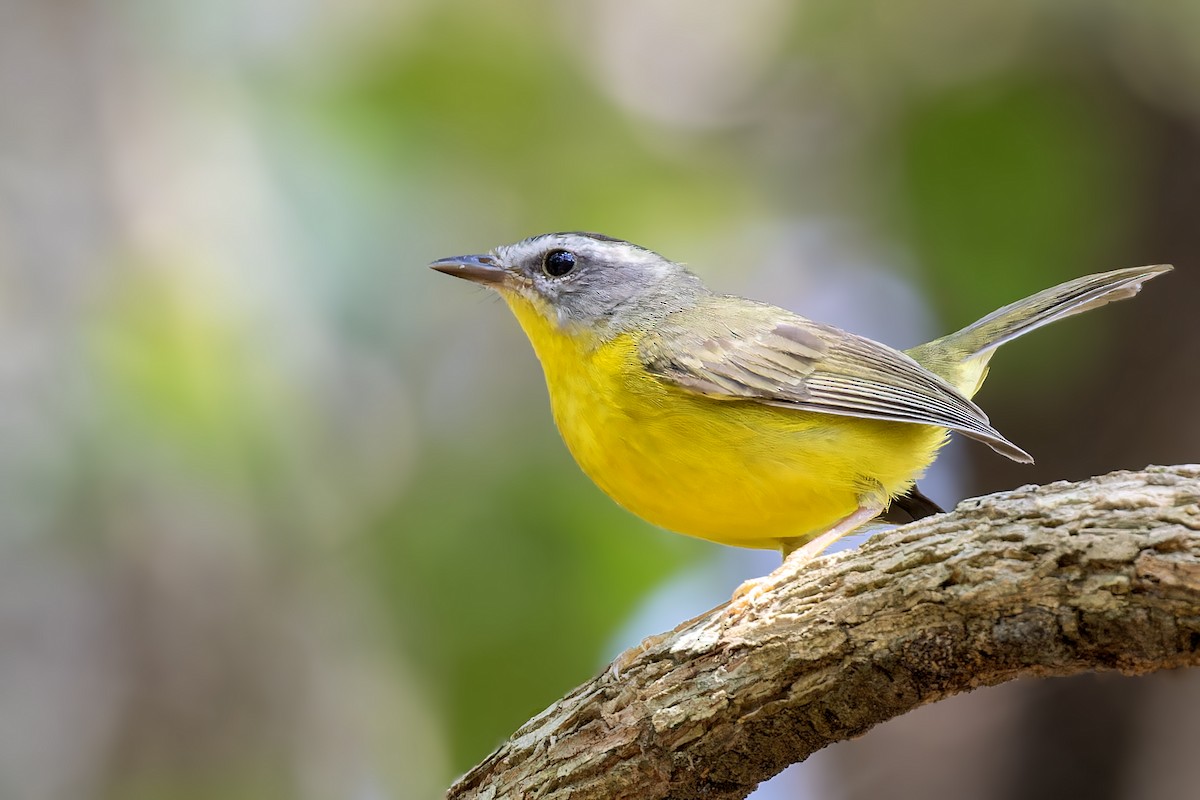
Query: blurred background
{"points": [[283, 514]]}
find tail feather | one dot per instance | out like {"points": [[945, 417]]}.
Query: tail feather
{"points": [[1065, 300], [961, 358], [910, 507]]}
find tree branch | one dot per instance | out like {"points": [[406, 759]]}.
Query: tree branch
{"points": [[1051, 580]]}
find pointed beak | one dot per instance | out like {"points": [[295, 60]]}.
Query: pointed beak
{"points": [[480, 269]]}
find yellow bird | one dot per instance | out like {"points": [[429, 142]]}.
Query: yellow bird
{"points": [[739, 422]]}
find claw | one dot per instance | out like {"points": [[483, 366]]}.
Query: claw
{"points": [[796, 553]]}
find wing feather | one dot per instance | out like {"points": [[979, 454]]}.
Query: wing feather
{"points": [[751, 351]]}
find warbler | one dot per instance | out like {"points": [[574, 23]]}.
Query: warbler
{"points": [[739, 422]]}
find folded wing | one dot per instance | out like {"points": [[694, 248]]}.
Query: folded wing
{"points": [[741, 350]]}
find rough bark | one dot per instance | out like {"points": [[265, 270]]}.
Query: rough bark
{"points": [[1051, 580]]}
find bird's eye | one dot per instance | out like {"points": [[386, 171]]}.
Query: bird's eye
{"points": [[558, 263]]}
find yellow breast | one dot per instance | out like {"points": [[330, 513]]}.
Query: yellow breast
{"points": [[731, 471]]}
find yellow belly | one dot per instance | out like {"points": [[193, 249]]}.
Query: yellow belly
{"points": [[735, 472]]}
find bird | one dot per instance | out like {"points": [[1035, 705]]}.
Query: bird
{"points": [[739, 422]]}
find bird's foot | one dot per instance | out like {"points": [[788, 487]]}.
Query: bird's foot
{"points": [[747, 594], [797, 553]]}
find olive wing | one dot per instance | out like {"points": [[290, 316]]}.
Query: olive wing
{"points": [[731, 348]]}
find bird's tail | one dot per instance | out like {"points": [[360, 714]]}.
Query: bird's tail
{"points": [[962, 357]]}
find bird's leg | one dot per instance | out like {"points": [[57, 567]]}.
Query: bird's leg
{"points": [[802, 550], [796, 551]]}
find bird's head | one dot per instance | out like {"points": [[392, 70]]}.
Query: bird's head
{"points": [[581, 282]]}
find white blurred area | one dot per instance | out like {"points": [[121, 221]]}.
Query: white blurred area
{"points": [[711, 75]]}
